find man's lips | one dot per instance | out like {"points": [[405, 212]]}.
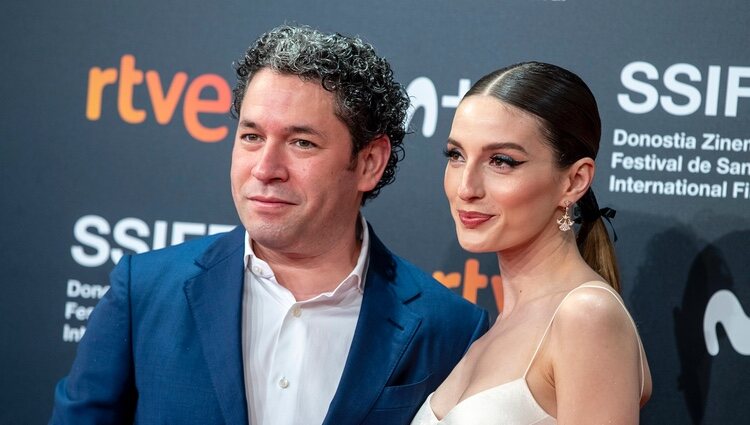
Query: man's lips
{"points": [[269, 201], [472, 219]]}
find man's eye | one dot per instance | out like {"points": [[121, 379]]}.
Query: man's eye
{"points": [[304, 144], [250, 137]]}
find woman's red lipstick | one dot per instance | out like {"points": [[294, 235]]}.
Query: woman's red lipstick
{"points": [[473, 219]]}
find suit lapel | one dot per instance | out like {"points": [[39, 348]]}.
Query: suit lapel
{"points": [[215, 300], [384, 329]]}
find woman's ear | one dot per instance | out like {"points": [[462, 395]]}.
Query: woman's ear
{"points": [[578, 178]]}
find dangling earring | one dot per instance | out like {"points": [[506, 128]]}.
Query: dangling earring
{"points": [[565, 222]]}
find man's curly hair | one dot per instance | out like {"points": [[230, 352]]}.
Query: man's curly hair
{"points": [[367, 99]]}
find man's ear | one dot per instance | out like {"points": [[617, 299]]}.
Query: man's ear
{"points": [[578, 179], [371, 162]]}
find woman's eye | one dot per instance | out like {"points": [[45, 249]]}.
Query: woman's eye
{"points": [[504, 160], [452, 154]]}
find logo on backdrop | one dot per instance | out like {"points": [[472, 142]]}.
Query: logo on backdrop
{"points": [[163, 103], [724, 308], [644, 96], [99, 243], [471, 281], [424, 96], [676, 162]]}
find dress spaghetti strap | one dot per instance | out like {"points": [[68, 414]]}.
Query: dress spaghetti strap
{"points": [[614, 294]]}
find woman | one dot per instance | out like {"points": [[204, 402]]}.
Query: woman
{"points": [[564, 349]]}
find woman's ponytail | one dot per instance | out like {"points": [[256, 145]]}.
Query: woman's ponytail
{"points": [[593, 240]]}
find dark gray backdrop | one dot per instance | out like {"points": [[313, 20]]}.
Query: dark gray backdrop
{"points": [[132, 187]]}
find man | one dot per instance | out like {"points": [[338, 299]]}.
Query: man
{"points": [[300, 316]]}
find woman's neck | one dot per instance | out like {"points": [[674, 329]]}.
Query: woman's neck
{"points": [[538, 268]]}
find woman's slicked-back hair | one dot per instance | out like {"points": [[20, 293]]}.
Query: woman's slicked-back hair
{"points": [[569, 119], [563, 102]]}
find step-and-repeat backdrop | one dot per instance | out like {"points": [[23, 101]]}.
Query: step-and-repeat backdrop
{"points": [[115, 137]]}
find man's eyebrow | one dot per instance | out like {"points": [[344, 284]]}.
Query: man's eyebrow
{"points": [[244, 123], [492, 146], [304, 129], [292, 129]]}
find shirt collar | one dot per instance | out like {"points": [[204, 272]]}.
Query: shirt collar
{"points": [[261, 269]]}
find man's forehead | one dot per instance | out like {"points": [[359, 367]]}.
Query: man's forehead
{"points": [[289, 129]]}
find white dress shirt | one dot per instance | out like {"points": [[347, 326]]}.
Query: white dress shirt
{"points": [[294, 351]]}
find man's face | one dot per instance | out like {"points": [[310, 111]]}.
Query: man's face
{"points": [[293, 182]]}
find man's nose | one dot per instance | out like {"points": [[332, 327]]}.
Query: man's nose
{"points": [[271, 164]]}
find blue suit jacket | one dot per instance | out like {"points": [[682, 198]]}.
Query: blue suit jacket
{"points": [[164, 344]]}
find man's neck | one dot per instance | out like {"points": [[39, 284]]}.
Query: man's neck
{"points": [[309, 274]]}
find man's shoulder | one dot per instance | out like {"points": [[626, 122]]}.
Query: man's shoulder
{"points": [[444, 313], [185, 258], [161, 273], [185, 250], [431, 289], [423, 291]]}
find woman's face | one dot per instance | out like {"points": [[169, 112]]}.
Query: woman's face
{"points": [[501, 180]]}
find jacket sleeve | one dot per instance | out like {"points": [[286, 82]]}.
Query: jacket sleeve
{"points": [[100, 386], [482, 325]]}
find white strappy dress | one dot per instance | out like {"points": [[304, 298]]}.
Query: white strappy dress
{"points": [[511, 403]]}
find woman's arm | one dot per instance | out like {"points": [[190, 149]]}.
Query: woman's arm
{"points": [[596, 361]]}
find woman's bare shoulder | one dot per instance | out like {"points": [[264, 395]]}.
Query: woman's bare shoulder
{"points": [[595, 309]]}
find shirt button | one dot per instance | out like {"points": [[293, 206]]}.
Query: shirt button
{"points": [[296, 311], [256, 269], [283, 383]]}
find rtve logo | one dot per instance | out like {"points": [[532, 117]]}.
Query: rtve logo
{"points": [[163, 102], [472, 282]]}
